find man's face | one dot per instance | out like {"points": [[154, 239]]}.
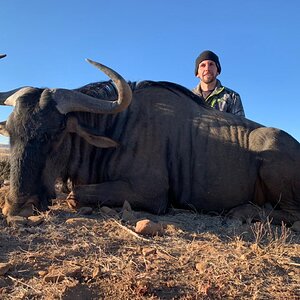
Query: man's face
{"points": [[207, 71]]}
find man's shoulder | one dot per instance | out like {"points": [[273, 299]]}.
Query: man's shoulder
{"points": [[230, 91], [196, 90]]}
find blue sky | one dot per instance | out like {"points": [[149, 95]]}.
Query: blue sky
{"points": [[258, 43]]}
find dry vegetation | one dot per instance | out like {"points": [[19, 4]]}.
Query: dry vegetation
{"points": [[4, 163], [99, 256], [4, 151]]}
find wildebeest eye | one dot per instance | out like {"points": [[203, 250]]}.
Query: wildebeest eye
{"points": [[45, 138], [63, 125]]}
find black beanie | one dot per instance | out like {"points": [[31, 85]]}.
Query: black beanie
{"points": [[207, 55]]}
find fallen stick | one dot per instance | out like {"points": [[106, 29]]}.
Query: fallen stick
{"points": [[131, 232], [23, 283]]}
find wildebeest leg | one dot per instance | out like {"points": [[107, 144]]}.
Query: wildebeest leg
{"points": [[279, 173], [281, 181], [113, 194], [63, 186]]}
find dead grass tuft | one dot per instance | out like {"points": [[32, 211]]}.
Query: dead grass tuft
{"points": [[271, 238]]}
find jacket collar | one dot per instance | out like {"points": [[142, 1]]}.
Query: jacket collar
{"points": [[217, 90]]}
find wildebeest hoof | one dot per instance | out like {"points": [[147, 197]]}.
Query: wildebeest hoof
{"points": [[16, 221], [24, 212], [246, 212], [72, 202], [296, 226]]}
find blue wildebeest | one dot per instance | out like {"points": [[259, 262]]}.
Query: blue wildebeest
{"points": [[154, 144]]}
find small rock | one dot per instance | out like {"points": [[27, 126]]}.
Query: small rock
{"points": [[128, 216], [147, 227], [108, 211], [35, 220], [79, 221], [42, 273], [291, 274], [296, 226], [96, 272], [170, 228], [6, 182], [201, 267], [55, 274], [4, 268], [54, 277], [16, 221], [85, 210], [73, 271], [30, 230]]}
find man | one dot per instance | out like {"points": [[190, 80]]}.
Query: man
{"points": [[210, 88]]}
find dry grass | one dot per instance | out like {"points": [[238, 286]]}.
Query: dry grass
{"points": [[198, 257], [4, 151], [4, 163], [4, 170]]}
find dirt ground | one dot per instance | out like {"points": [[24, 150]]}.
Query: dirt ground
{"points": [[98, 255]]}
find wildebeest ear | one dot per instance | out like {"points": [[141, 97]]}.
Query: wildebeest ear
{"points": [[99, 141], [88, 135], [3, 130]]}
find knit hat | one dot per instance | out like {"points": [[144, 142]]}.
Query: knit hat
{"points": [[207, 55], [2, 55]]}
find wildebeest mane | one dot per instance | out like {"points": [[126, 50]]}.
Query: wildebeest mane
{"points": [[107, 90]]}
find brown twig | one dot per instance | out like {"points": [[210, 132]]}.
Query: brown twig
{"points": [[23, 283], [131, 232]]}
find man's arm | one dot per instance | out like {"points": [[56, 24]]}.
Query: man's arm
{"points": [[237, 106]]}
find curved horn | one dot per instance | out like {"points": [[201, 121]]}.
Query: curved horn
{"points": [[68, 100], [12, 100], [2, 55]]}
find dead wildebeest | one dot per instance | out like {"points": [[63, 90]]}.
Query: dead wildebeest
{"points": [[157, 145]]}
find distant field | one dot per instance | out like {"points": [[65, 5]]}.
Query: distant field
{"points": [[4, 151]]}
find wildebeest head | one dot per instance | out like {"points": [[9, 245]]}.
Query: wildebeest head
{"points": [[37, 126]]}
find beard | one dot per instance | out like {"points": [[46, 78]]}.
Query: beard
{"points": [[208, 78]]}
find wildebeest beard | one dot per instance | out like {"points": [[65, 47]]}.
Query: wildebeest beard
{"points": [[30, 142]]}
